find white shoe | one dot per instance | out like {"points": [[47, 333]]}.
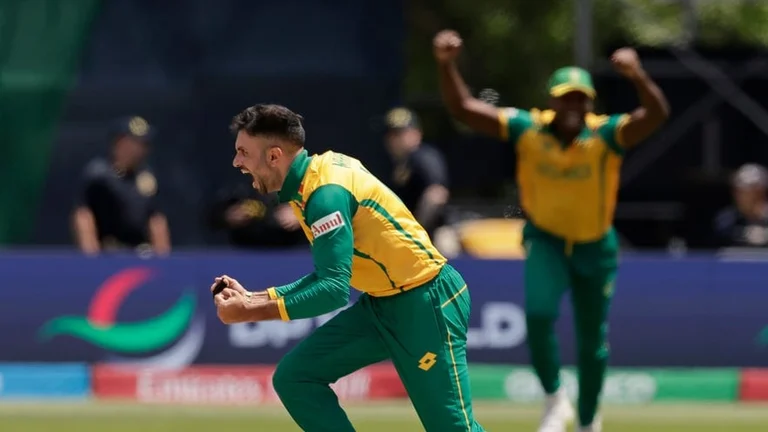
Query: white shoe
{"points": [[596, 426], [558, 413]]}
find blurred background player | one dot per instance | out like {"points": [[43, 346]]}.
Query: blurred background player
{"points": [[745, 223], [252, 220], [117, 206], [568, 171]]}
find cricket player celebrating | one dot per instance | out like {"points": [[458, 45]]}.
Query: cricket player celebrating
{"points": [[568, 177], [414, 307]]}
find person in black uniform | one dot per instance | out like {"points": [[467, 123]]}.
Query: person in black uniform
{"points": [[745, 224], [420, 175], [252, 220], [117, 208]]}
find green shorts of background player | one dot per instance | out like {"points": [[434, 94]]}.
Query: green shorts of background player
{"points": [[587, 272]]}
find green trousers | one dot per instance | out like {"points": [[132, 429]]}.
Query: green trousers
{"points": [[552, 267], [422, 331]]}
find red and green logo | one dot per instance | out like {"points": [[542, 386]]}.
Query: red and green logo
{"points": [[101, 329]]}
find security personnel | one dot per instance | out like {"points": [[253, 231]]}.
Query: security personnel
{"points": [[117, 208], [420, 175], [745, 224], [253, 220]]}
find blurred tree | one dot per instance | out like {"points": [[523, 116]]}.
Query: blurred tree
{"points": [[510, 46], [717, 22], [513, 46]]}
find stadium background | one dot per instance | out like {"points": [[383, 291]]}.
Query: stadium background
{"points": [[689, 326]]}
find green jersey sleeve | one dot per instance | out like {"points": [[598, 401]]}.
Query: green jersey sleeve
{"points": [[513, 123], [301, 283], [329, 211], [610, 132]]}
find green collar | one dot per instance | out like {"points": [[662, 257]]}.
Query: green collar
{"points": [[292, 183]]}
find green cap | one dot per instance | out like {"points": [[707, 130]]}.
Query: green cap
{"points": [[568, 79]]}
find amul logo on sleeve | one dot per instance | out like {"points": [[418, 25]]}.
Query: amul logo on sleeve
{"points": [[177, 328], [327, 223]]}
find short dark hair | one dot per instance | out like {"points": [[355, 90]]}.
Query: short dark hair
{"points": [[270, 120]]}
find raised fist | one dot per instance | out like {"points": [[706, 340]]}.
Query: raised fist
{"points": [[447, 46], [626, 62]]}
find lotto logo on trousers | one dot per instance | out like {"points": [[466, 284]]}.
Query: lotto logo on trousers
{"points": [[427, 361]]}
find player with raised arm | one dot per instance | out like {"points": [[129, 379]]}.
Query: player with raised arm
{"points": [[414, 309], [568, 176]]}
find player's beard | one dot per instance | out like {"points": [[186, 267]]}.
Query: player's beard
{"points": [[260, 185]]}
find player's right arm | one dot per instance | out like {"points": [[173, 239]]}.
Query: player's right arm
{"points": [[478, 115], [297, 285], [505, 124], [84, 225], [83, 220], [329, 211]]}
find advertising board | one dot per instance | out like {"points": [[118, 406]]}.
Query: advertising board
{"points": [[229, 385], [44, 381], [684, 312]]}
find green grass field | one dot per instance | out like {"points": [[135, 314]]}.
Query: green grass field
{"points": [[371, 417]]}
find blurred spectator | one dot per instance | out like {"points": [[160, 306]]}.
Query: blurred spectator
{"points": [[420, 176], [117, 208], [745, 224], [253, 220]]}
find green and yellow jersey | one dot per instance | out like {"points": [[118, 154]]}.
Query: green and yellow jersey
{"points": [[568, 191], [361, 235]]}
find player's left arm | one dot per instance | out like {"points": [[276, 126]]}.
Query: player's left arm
{"points": [[83, 218], [157, 226], [329, 211], [159, 234], [436, 195], [653, 111]]}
